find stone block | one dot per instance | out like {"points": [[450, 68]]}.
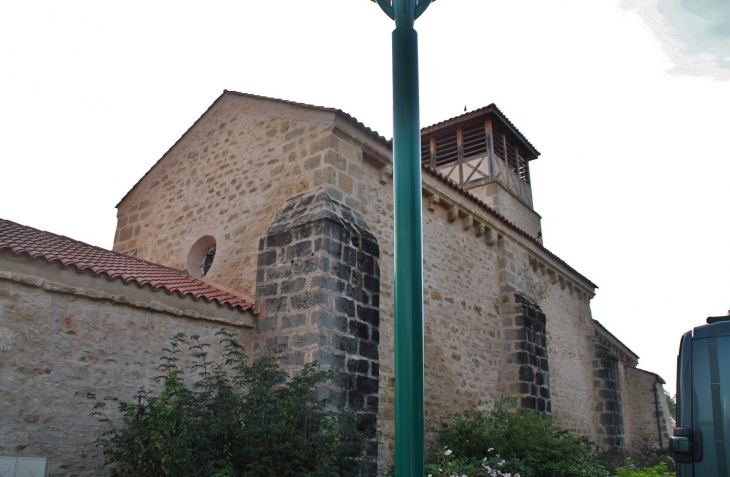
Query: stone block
{"points": [[528, 402], [372, 284], [280, 239], [329, 283], [349, 256], [343, 343], [359, 330], [330, 321], [293, 286], [310, 300], [527, 374], [279, 272], [267, 258], [369, 315], [360, 366], [345, 305], [368, 350], [304, 340], [330, 359], [341, 270], [366, 385], [265, 325], [355, 399], [292, 359], [270, 289], [299, 250], [275, 305], [293, 321]]}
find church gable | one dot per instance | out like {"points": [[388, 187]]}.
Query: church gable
{"points": [[228, 176]]}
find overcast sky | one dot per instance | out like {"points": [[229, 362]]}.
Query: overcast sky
{"points": [[627, 101]]}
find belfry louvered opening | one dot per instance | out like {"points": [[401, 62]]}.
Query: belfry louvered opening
{"points": [[450, 151], [480, 148]]}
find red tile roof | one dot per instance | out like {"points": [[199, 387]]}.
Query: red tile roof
{"points": [[38, 244], [493, 109]]}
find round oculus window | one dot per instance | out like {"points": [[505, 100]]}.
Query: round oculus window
{"points": [[201, 256]]}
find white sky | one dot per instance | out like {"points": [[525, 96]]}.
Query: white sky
{"points": [[626, 99]]}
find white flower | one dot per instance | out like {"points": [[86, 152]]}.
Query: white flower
{"points": [[500, 463], [490, 449], [448, 452]]}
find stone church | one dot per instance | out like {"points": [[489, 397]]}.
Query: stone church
{"points": [[275, 219]]}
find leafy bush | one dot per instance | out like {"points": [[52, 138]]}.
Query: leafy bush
{"points": [[525, 442], [638, 458], [630, 470], [236, 420]]}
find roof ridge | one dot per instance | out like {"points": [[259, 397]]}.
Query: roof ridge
{"points": [[485, 109]]}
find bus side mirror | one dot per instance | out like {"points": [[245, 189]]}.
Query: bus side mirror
{"points": [[686, 445]]}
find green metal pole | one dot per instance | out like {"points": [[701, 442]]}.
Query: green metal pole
{"points": [[409, 416]]}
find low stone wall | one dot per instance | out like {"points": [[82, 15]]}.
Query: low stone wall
{"points": [[57, 346], [647, 428]]}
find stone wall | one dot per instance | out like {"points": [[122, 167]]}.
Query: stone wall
{"points": [[527, 366], [642, 393], [56, 346], [608, 397], [234, 172], [227, 178], [319, 297], [507, 204]]}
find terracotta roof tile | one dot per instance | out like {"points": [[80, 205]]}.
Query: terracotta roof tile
{"points": [[38, 244], [491, 108]]}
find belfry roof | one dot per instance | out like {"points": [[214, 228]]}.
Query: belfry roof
{"points": [[40, 245]]}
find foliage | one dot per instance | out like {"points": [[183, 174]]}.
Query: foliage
{"points": [[236, 420], [638, 458], [529, 443], [448, 464], [630, 470]]}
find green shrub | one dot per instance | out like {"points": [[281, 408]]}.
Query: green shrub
{"points": [[638, 458], [528, 443], [630, 470], [236, 420]]}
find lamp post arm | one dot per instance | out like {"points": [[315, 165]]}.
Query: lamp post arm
{"points": [[421, 7], [410, 11], [387, 8]]}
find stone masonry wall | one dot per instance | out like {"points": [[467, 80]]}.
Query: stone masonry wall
{"points": [[643, 410], [527, 366], [55, 347], [234, 171], [570, 348], [227, 178], [318, 295], [499, 198], [608, 405]]}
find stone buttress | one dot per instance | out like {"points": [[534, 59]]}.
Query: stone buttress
{"points": [[318, 294]]}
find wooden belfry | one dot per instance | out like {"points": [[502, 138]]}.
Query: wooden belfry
{"points": [[478, 147]]}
